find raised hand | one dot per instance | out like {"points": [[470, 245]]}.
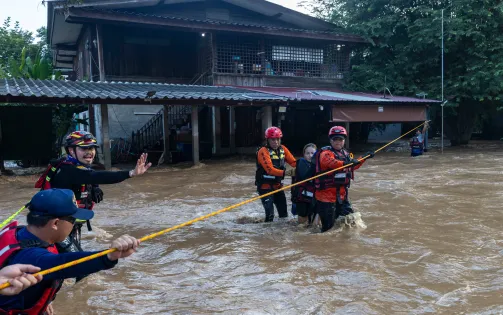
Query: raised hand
{"points": [[141, 166]]}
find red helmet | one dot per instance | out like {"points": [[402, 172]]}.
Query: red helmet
{"points": [[81, 139], [273, 132], [337, 131]]}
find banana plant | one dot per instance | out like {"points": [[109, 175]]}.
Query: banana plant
{"points": [[25, 67]]}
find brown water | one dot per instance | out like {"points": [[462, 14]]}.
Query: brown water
{"points": [[433, 243]]}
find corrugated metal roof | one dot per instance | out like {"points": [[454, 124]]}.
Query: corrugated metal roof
{"points": [[117, 91], [306, 94], [215, 22]]}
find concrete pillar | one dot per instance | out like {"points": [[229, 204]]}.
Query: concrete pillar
{"points": [[347, 139], [195, 134], [107, 156], [217, 129], [166, 131], [232, 129], [266, 117]]}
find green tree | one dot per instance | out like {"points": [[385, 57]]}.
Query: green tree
{"points": [[33, 61], [405, 50]]}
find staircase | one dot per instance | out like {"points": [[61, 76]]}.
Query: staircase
{"points": [[149, 138]]}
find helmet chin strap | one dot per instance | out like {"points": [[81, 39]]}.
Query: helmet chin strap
{"points": [[77, 160]]}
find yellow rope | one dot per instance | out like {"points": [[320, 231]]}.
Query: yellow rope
{"points": [[12, 217], [204, 217]]}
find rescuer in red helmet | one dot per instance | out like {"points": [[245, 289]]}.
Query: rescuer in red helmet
{"points": [[331, 194], [271, 160]]}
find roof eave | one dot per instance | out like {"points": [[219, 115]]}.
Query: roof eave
{"points": [[75, 15]]}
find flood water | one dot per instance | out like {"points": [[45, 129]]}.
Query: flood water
{"points": [[433, 243]]}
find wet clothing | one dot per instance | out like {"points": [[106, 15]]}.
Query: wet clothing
{"points": [[10, 245], [306, 210], [268, 177], [329, 212], [330, 159], [271, 166], [278, 199], [332, 198], [83, 181], [417, 145], [303, 193], [44, 259]]}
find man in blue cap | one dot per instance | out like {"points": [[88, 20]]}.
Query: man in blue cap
{"points": [[50, 220]]}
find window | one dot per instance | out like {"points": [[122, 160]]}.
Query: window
{"points": [[288, 53]]}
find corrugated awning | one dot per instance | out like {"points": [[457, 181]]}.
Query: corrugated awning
{"points": [[71, 92], [378, 113], [333, 96]]}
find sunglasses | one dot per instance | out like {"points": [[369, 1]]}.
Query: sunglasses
{"points": [[72, 220]]}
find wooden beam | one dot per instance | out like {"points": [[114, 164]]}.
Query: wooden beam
{"points": [[266, 118], [217, 134], [67, 53], [65, 47], [232, 129], [68, 65], [105, 130], [101, 59], [195, 134], [64, 59], [166, 130], [347, 139]]}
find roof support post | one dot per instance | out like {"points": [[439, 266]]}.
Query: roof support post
{"points": [[266, 117], [217, 129], [105, 132], [232, 129], [347, 138], [195, 134], [426, 118], [165, 121]]}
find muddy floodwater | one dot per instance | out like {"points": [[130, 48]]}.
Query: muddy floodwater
{"points": [[433, 243]]}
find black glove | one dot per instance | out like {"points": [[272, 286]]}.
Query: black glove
{"points": [[370, 154], [352, 161], [97, 194]]}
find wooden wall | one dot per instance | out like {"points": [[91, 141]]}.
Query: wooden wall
{"points": [[148, 53]]}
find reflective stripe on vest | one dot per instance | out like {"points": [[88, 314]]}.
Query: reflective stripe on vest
{"points": [[82, 194], [278, 161], [338, 179], [10, 244]]}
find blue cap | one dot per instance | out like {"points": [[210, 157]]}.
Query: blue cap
{"points": [[58, 203]]}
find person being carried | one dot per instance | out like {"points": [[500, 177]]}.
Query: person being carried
{"points": [[417, 142], [74, 172], [52, 214], [332, 190], [270, 172], [303, 194]]}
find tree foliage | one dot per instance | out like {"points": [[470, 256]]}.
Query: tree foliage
{"points": [[24, 57], [405, 51]]}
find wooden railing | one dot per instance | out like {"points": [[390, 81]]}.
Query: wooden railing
{"points": [[150, 136]]}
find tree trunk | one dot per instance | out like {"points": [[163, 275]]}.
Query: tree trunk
{"points": [[460, 125]]}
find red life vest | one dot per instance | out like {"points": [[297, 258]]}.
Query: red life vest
{"points": [[83, 192], [416, 144], [9, 244], [341, 178]]}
